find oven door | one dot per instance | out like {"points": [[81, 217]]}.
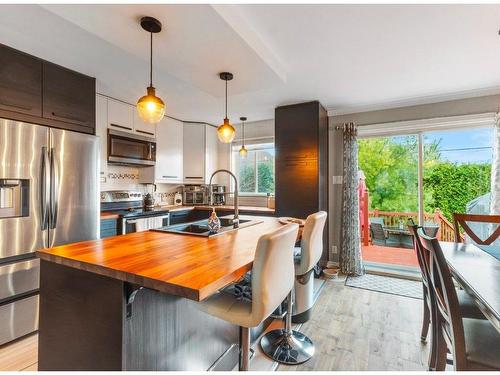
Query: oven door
{"points": [[127, 149], [140, 224]]}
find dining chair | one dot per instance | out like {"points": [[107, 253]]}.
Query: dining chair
{"points": [[473, 343], [462, 220], [467, 307]]}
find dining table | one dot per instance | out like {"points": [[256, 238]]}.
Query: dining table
{"points": [[477, 269]]}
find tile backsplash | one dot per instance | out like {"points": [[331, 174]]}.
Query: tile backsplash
{"points": [[127, 178]]}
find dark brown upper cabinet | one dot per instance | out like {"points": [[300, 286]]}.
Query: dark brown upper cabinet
{"points": [[68, 96], [39, 92], [20, 82]]}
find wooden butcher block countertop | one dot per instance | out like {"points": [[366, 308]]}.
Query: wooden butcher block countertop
{"points": [[189, 266]]}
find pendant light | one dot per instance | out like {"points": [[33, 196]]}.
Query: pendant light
{"points": [[226, 131], [243, 151], [151, 108]]}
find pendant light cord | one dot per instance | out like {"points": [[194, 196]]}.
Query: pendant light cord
{"points": [[151, 61], [243, 127], [226, 98]]}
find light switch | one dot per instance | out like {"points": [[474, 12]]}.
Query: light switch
{"points": [[337, 180]]}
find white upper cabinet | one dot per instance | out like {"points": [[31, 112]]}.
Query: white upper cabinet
{"points": [[120, 116], [169, 155], [101, 125], [211, 153], [194, 153], [143, 128]]}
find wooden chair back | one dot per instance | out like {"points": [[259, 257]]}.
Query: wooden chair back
{"points": [[448, 318], [461, 220], [423, 256]]}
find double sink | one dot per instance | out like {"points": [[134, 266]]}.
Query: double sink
{"points": [[200, 228]]}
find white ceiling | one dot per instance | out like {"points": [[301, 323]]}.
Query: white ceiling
{"points": [[347, 56]]}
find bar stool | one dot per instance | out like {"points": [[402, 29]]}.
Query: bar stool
{"points": [[286, 345], [272, 281], [308, 255]]}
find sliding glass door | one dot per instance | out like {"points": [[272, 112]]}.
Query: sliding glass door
{"points": [[422, 178]]}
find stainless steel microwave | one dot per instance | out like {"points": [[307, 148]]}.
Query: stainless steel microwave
{"points": [[130, 149]]}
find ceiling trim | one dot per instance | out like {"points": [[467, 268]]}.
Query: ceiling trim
{"points": [[415, 101], [232, 16]]}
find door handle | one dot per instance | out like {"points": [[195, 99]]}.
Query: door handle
{"points": [[44, 189], [54, 189]]}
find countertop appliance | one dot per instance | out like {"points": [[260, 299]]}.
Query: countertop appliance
{"points": [[132, 216], [48, 197], [218, 195], [178, 199], [195, 195], [130, 149]]}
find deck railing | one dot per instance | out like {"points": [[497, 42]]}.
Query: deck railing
{"points": [[446, 231]]}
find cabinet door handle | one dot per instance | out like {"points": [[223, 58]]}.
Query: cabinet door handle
{"points": [[170, 176], [193, 178], [144, 132], [19, 106], [68, 117], [120, 126]]}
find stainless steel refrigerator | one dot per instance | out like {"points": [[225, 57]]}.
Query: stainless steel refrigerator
{"points": [[48, 197]]}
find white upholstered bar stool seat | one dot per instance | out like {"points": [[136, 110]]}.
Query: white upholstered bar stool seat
{"points": [[306, 258], [272, 281]]}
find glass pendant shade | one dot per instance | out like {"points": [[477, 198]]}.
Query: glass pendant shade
{"points": [[243, 151], [226, 132], [151, 108]]}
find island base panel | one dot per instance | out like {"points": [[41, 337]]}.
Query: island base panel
{"points": [[84, 326]]}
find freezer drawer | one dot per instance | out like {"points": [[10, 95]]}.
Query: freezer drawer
{"points": [[18, 318], [19, 277]]}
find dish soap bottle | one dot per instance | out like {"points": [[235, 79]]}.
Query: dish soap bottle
{"points": [[213, 222]]}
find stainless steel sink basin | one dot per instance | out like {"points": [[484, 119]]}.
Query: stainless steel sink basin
{"points": [[200, 228]]}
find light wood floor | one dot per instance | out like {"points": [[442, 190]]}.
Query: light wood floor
{"points": [[352, 329], [357, 329]]}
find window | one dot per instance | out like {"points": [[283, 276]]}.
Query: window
{"points": [[255, 172]]}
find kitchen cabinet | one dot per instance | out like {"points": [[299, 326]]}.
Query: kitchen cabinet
{"points": [[194, 153], [211, 153], [120, 116], [301, 146], [169, 154], [101, 125], [143, 128], [200, 153], [20, 82], [68, 96], [109, 228], [36, 91]]}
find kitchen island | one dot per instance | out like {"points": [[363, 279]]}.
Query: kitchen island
{"points": [[130, 302]]}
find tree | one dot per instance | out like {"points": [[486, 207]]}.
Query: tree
{"points": [[451, 186], [266, 177]]}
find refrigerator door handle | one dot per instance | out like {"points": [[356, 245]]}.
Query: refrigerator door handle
{"points": [[54, 188], [44, 189]]}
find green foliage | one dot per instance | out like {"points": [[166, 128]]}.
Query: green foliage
{"points": [[391, 168], [266, 176], [246, 178], [452, 186]]}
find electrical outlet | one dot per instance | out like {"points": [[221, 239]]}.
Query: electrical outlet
{"points": [[334, 249]]}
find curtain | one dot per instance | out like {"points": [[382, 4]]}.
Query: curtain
{"points": [[495, 170], [351, 262]]}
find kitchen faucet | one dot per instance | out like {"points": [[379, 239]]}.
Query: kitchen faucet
{"points": [[236, 219]]}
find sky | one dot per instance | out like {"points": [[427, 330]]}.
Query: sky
{"points": [[464, 146]]}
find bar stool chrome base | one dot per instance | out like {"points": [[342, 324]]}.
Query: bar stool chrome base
{"points": [[285, 345], [289, 348]]}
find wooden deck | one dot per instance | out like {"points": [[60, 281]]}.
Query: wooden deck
{"points": [[389, 255]]}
